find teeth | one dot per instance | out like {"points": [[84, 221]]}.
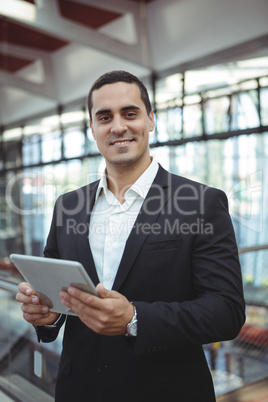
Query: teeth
{"points": [[121, 142]]}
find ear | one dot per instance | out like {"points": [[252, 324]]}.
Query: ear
{"points": [[152, 122], [91, 126]]}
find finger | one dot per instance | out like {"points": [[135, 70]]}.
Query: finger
{"points": [[72, 292], [32, 318], [38, 319], [41, 319], [33, 314], [22, 298], [89, 315], [32, 309], [25, 287], [74, 297], [74, 303], [105, 293], [80, 306]]}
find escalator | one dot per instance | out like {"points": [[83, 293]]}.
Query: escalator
{"points": [[28, 369]]}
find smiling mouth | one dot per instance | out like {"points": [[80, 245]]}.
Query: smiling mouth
{"points": [[123, 142]]}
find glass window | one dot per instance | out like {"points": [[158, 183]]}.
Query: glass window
{"points": [[255, 271], [264, 105], [244, 111], [91, 143], [31, 150], [248, 195], [11, 152], [169, 124], [74, 142], [216, 115], [161, 155], [1, 157], [168, 89], [192, 121], [51, 146], [33, 210], [92, 168], [237, 165], [74, 177]]}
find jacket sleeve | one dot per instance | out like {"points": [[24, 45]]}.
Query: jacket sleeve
{"points": [[217, 311], [49, 333]]}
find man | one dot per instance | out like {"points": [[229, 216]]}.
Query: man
{"points": [[165, 246]]}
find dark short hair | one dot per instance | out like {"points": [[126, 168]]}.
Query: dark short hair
{"points": [[119, 76]]}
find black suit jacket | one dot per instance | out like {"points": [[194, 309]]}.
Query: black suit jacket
{"points": [[180, 267]]}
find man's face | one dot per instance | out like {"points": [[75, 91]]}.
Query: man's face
{"points": [[121, 125]]}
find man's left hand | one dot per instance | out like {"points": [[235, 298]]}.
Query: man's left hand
{"points": [[108, 314]]}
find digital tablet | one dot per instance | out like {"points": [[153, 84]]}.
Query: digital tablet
{"points": [[48, 276]]}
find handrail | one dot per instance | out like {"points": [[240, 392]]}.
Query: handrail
{"points": [[244, 250], [9, 286]]}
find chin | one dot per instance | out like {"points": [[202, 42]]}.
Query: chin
{"points": [[124, 161]]}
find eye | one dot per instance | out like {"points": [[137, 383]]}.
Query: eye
{"points": [[104, 118], [131, 115]]}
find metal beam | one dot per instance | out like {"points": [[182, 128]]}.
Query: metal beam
{"points": [[33, 54], [126, 6], [237, 52], [23, 51], [43, 90], [48, 20]]}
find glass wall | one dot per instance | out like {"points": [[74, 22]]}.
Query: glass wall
{"points": [[209, 133], [215, 134]]}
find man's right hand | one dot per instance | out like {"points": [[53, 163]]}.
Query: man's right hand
{"points": [[33, 311]]}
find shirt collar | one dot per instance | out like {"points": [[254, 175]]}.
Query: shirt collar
{"points": [[144, 182], [140, 187], [102, 186]]}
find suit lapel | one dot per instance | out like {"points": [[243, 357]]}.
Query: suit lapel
{"points": [[82, 240], [152, 206]]}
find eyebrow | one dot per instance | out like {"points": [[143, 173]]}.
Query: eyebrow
{"points": [[103, 111], [125, 108], [131, 107]]}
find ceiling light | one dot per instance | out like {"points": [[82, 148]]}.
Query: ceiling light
{"points": [[12, 134], [71, 117], [18, 9]]}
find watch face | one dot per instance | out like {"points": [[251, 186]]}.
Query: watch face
{"points": [[132, 327]]}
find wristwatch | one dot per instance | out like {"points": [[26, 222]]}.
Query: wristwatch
{"points": [[132, 326]]}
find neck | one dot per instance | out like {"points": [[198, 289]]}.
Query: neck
{"points": [[121, 178]]}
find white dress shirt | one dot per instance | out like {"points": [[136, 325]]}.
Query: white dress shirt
{"points": [[111, 223]]}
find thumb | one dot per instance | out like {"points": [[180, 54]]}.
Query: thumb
{"points": [[105, 293]]}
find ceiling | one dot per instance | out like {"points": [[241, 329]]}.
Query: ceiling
{"points": [[51, 51]]}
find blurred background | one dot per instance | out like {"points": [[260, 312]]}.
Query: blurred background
{"points": [[205, 63]]}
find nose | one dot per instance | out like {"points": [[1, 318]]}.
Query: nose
{"points": [[118, 125]]}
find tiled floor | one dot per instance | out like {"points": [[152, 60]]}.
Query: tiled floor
{"points": [[254, 392], [245, 366]]}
